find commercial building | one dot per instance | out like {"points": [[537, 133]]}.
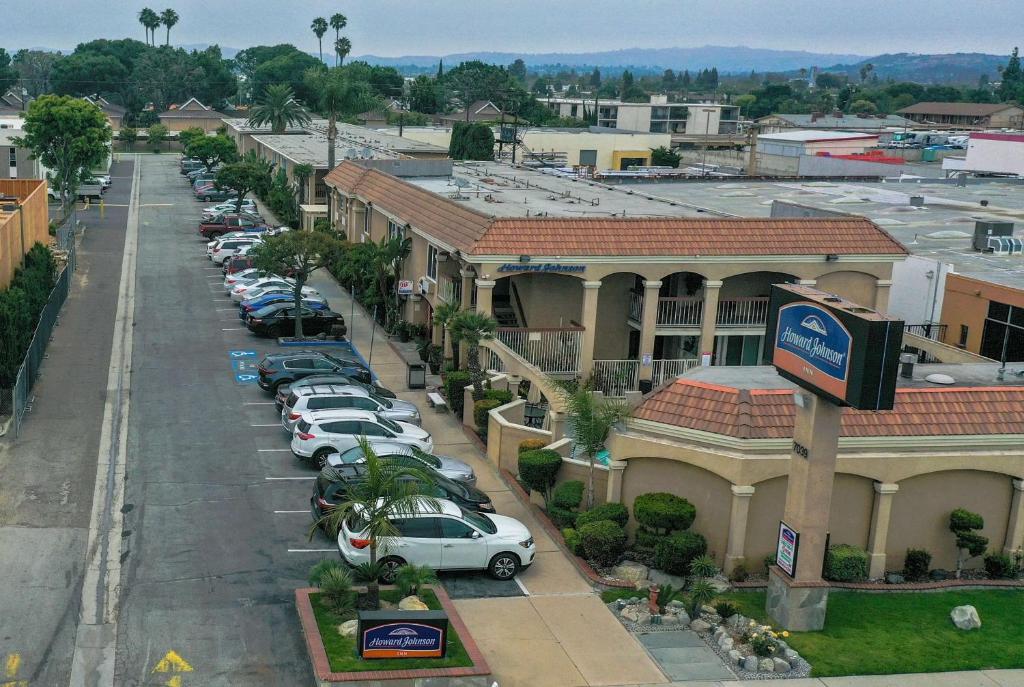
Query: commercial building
{"points": [[984, 318], [835, 121], [966, 115], [990, 153], [192, 114], [24, 221]]}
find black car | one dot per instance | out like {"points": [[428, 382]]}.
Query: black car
{"points": [[278, 319], [277, 369], [284, 390]]}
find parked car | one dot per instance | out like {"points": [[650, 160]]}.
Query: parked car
{"points": [[322, 432], [222, 224], [246, 275], [279, 320], [248, 205], [274, 296], [225, 249], [236, 264], [450, 467], [209, 193], [245, 290], [278, 369], [339, 397], [453, 539], [101, 179], [281, 395]]}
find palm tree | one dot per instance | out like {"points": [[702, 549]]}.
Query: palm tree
{"points": [[386, 261], [338, 22], [149, 20], [472, 328], [319, 27], [443, 316], [302, 172], [168, 18], [387, 491], [279, 109], [342, 47], [591, 421]]}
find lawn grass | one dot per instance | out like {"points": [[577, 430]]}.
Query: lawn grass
{"points": [[341, 651], [878, 634]]}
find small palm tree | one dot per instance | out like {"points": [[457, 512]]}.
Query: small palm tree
{"points": [[342, 47], [338, 22], [168, 18], [319, 27], [279, 109], [337, 96], [410, 578], [386, 492], [443, 316], [472, 328], [386, 260], [302, 172]]}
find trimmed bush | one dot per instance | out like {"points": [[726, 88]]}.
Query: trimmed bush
{"points": [[674, 552], [739, 573], [615, 512], [561, 517], [917, 565], [572, 540], [962, 519], [454, 383], [568, 495], [603, 542], [502, 395], [999, 566], [663, 512], [537, 469], [531, 445], [481, 414], [846, 563], [645, 539]]}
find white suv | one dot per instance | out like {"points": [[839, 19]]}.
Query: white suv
{"points": [[451, 538], [225, 249], [342, 396], [323, 432]]}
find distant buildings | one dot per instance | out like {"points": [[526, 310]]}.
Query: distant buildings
{"points": [[480, 111], [114, 113], [966, 115], [778, 123], [192, 114]]}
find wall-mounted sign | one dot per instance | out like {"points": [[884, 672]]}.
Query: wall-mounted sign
{"points": [[646, 360], [787, 549], [541, 267], [404, 287], [403, 634], [837, 349]]}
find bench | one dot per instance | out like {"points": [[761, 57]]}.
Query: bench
{"points": [[436, 401]]}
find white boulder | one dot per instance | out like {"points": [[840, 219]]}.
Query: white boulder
{"points": [[965, 617]]}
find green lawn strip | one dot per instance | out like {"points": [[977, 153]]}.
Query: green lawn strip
{"points": [[341, 651], [612, 595], [879, 634]]}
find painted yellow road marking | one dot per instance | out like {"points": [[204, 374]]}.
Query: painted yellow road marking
{"points": [[172, 663], [173, 682], [12, 665]]}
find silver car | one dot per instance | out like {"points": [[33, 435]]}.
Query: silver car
{"points": [[342, 397], [450, 467]]}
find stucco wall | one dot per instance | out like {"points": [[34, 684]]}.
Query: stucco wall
{"points": [[855, 286], [612, 335], [966, 303], [549, 300]]}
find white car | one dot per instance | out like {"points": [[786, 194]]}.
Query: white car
{"points": [[225, 249], [245, 276], [316, 397], [248, 205], [257, 288], [322, 432], [447, 537], [233, 236]]}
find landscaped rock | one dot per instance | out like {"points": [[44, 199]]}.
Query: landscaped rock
{"points": [[737, 622], [700, 625], [631, 571], [630, 613], [348, 628], [735, 657], [675, 603], [412, 603], [750, 664], [781, 666], [939, 574], [658, 577], [766, 665], [790, 655], [894, 578], [720, 582], [669, 619], [709, 610], [965, 617], [725, 643], [643, 618]]}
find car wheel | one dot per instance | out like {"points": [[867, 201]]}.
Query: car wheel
{"points": [[206, 199], [320, 457], [389, 569], [278, 384], [504, 566], [274, 331]]}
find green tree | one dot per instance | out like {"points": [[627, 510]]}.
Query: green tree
{"points": [[319, 27], [965, 524], [444, 314], [88, 73], [186, 136], [279, 109], [863, 106], [302, 172], [298, 253], [34, 69], [518, 70], [827, 80], [664, 157], [156, 134], [212, 150], [264, 66], [67, 135], [168, 18], [338, 22], [213, 78], [386, 260], [388, 492], [150, 20], [424, 95], [342, 47], [129, 135], [8, 75], [475, 80], [1012, 78], [471, 328], [471, 141], [249, 174]]}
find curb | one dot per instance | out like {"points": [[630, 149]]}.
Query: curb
{"points": [[879, 588]]}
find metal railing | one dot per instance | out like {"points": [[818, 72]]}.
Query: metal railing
{"points": [[553, 350], [489, 360], [743, 312], [666, 369], [682, 311], [935, 332], [636, 306], [616, 377]]}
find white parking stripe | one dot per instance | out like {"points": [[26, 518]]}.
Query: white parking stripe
{"points": [[231, 329], [312, 551], [289, 478], [276, 424], [258, 403], [291, 511], [228, 309], [521, 585], [272, 450]]}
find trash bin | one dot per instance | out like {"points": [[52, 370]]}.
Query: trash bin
{"points": [[417, 376]]}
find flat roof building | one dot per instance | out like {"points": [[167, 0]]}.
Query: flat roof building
{"points": [[966, 115], [778, 123]]}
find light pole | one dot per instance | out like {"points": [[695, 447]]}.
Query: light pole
{"points": [[707, 131]]}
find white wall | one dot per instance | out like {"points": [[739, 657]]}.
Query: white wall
{"points": [[918, 284], [1005, 156]]}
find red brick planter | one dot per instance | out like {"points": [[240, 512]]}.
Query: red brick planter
{"points": [[322, 667]]}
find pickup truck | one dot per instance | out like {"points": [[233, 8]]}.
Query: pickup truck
{"points": [[225, 223]]}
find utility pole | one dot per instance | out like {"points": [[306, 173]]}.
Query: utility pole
{"points": [[707, 131], [752, 134]]}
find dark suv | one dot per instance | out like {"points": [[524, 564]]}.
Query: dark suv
{"points": [[284, 368]]}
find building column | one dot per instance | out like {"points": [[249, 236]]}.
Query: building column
{"points": [[879, 533], [484, 296], [513, 385], [709, 316], [556, 422], [467, 289], [648, 323], [1015, 526], [737, 526], [436, 333], [882, 287], [613, 493], [589, 321]]}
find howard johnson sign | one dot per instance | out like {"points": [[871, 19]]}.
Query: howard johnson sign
{"points": [[403, 634], [833, 347]]}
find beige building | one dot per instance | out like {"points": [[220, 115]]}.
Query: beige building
{"points": [[114, 113], [966, 115], [192, 114]]}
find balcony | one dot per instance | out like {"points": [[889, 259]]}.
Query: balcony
{"points": [[688, 311], [742, 312], [553, 350]]}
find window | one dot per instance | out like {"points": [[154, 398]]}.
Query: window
{"points": [[1003, 332], [432, 263], [343, 427], [298, 364], [454, 529], [963, 336], [321, 364], [574, 111], [395, 230], [367, 211], [362, 403], [418, 528], [372, 429], [13, 157]]}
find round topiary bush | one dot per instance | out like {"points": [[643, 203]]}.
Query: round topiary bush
{"points": [[645, 539], [572, 540], [663, 512], [674, 553], [537, 469], [603, 542], [568, 495], [615, 512], [531, 445], [502, 395]]}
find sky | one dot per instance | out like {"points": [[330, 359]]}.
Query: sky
{"points": [[435, 27]]}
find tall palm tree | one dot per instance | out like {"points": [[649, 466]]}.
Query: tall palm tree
{"points": [[387, 258], [279, 109], [443, 316], [342, 47], [319, 27], [338, 22], [388, 491], [149, 20], [471, 328], [168, 18], [302, 172]]}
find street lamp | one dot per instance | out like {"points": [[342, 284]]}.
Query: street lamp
{"points": [[707, 130]]}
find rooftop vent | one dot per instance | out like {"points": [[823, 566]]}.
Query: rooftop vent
{"points": [[937, 378]]}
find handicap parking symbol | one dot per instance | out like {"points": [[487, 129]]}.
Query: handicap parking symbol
{"points": [[242, 354], [246, 378]]}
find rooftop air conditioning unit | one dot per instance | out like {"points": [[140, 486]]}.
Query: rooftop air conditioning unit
{"points": [[983, 231]]}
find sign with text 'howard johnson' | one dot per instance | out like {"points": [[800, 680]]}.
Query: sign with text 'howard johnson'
{"points": [[403, 634], [837, 349]]}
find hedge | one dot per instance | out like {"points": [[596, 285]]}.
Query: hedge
{"points": [[846, 563], [646, 539], [502, 395], [999, 566], [663, 512], [454, 384], [568, 495], [481, 413], [674, 553], [603, 542], [615, 512], [561, 517], [572, 540], [532, 445], [20, 306], [537, 469]]}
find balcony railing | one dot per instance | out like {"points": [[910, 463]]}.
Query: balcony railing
{"points": [[553, 350], [684, 311], [636, 306], [743, 312], [616, 377], [935, 332], [666, 369]]}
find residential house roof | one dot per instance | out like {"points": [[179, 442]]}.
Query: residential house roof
{"points": [[962, 109], [191, 109], [481, 110], [105, 105]]}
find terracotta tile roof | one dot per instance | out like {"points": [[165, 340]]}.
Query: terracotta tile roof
{"points": [[769, 413]]}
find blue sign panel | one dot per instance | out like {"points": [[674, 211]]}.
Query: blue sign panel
{"points": [[541, 267], [403, 640], [812, 344]]}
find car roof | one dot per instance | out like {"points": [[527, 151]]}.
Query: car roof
{"points": [[445, 507], [342, 414], [300, 354], [332, 390]]}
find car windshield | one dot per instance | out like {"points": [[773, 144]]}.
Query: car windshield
{"points": [[479, 521], [393, 426], [450, 485], [353, 455], [432, 461]]}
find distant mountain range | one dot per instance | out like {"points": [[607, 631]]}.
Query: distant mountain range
{"points": [[959, 68]]}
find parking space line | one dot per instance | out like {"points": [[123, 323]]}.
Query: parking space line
{"points": [[231, 329], [213, 268], [521, 585], [276, 424], [291, 511], [289, 478], [272, 450], [258, 403], [312, 550]]}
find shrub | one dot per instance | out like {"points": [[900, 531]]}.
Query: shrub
{"points": [[674, 552], [318, 570], [561, 517], [963, 523], [615, 512], [846, 563], [336, 590], [664, 512], [764, 644], [572, 540], [537, 469], [502, 395], [20, 306], [368, 572], [701, 592], [769, 561], [725, 609], [667, 593], [481, 414], [645, 539], [454, 383], [739, 572], [409, 578], [568, 495], [531, 445], [603, 542], [917, 565], [962, 519], [703, 566], [1000, 566]]}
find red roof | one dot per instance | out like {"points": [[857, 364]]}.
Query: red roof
{"points": [[770, 413]]}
